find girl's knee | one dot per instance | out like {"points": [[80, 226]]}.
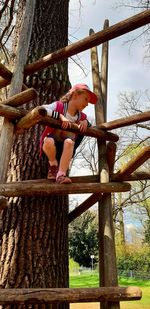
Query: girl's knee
{"points": [[69, 143], [48, 142]]}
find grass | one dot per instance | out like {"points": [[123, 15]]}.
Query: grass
{"points": [[91, 280]]}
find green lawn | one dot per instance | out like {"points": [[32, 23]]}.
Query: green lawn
{"points": [[91, 280]]}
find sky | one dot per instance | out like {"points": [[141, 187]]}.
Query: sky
{"points": [[127, 70]]}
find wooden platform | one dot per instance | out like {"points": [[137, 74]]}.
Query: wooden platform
{"points": [[45, 187]]}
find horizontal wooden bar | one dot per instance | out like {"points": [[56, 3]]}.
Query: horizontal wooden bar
{"points": [[133, 177], [11, 112], [45, 187], [5, 73], [5, 77], [3, 203], [21, 98], [89, 202], [142, 175], [3, 82], [39, 115], [100, 37], [134, 163], [68, 295], [127, 121]]}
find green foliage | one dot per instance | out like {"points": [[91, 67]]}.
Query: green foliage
{"points": [[73, 266], [147, 232], [135, 259], [83, 239]]}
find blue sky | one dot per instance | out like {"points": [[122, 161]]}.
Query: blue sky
{"points": [[127, 69]]}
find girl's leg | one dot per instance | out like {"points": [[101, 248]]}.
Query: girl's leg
{"points": [[66, 155], [65, 161], [49, 149]]}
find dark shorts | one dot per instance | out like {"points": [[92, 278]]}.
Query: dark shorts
{"points": [[59, 145]]}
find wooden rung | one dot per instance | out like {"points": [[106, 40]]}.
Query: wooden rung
{"points": [[89, 202], [39, 115], [134, 177], [68, 295], [3, 203], [21, 98], [142, 175], [5, 73], [11, 112], [134, 163], [3, 82], [127, 121], [44, 187], [6, 76]]}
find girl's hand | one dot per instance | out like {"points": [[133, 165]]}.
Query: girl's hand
{"points": [[83, 126], [65, 122]]}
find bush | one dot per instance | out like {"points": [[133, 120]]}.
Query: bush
{"points": [[134, 260]]}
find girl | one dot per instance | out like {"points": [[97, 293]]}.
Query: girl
{"points": [[58, 145]]}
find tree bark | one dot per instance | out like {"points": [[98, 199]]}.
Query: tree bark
{"points": [[34, 243]]}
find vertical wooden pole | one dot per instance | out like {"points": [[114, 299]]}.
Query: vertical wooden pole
{"points": [[7, 132], [107, 256]]}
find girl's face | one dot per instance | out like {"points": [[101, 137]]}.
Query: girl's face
{"points": [[81, 100]]}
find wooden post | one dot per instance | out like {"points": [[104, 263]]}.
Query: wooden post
{"points": [[7, 132], [110, 155], [107, 257]]}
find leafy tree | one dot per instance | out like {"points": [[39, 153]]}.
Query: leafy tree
{"points": [[147, 232], [83, 239]]}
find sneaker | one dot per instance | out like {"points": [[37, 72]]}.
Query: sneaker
{"points": [[52, 172], [63, 179]]}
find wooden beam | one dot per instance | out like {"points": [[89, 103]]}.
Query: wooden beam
{"points": [[100, 37], [11, 112], [68, 295], [46, 188], [5, 73], [133, 177], [142, 175], [3, 82], [94, 198], [3, 203], [127, 121], [21, 98], [6, 76], [38, 115], [134, 163]]}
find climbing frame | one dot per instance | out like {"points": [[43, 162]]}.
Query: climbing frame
{"points": [[100, 185]]}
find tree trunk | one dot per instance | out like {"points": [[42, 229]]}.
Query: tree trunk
{"points": [[34, 231]]}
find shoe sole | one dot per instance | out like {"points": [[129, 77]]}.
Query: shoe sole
{"points": [[65, 181]]}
